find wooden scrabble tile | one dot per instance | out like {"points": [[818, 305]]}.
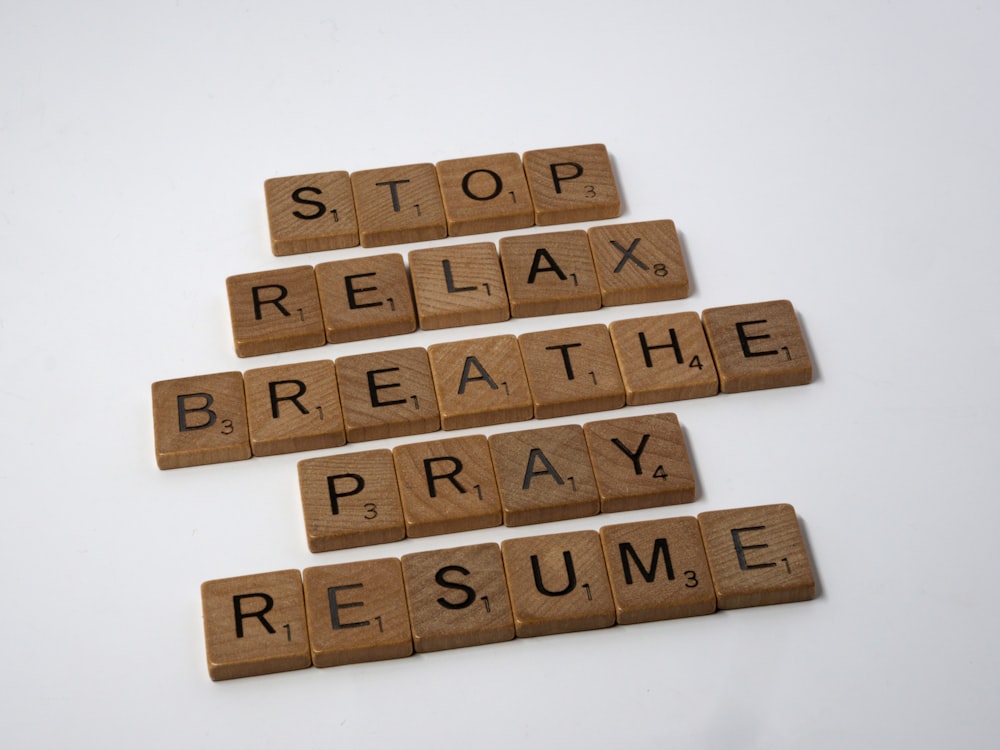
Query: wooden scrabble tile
{"points": [[658, 570], [365, 298], [398, 204], [757, 556], [640, 462], [544, 475], [558, 583], [447, 486], [480, 382], [572, 370], [357, 612], [255, 625], [275, 311], [350, 500], [549, 273], [293, 408], [757, 346], [484, 194], [664, 358], [639, 262], [457, 597], [573, 183], [200, 420], [460, 285], [311, 212], [387, 394]]}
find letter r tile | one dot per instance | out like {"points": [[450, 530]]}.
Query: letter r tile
{"points": [[757, 556], [255, 625], [275, 311]]}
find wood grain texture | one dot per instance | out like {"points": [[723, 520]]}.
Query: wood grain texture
{"points": [[549, 273], [485, 194], [200, 420], [275, 311], [398, 204], [311, 212], [350, 500], [457, 598], [757, 556], [759, 345], [255, 625], [639, 262], [571, 183], [458, 285], [664, 358], [357, 612], [658, 570]]}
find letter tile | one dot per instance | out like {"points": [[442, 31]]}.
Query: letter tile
{"points": [[293, 408], [640, 462], [255, 625], [457, 597], [398, 204], [357, 612], [757, 556], [571, 183], [200, 420], [311, 212], [350, 500], [459, 285], [544, 475], [275, 311], [549, 273], [572, 370], [639, 262], [447, 486], [387, 394], [757, 346], [664, 358], [484, 194], [658, 570], [480, 382], [558, 583], [365, 298]]}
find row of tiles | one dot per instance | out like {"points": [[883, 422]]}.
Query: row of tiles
{"points": [[459, 285], [486, 593], [477, 382], [417, 202]]}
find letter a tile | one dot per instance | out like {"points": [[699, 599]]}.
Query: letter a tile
{"points": [[255, 625], [757, 556]]}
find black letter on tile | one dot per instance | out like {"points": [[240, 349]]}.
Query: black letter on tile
{"points": [[331, 487], [483, 375], [529, 470], [470, 593], [352, 291], [627, 255], [258, 302], [745, 339], [491, 196], [374, 389], [450, 281], [659, 547], [297, 197], [240, 615], [634, 456], [556, 179], [336, 606], [740, 547], [537, 268], [674, 344], [564, 348], [392, 189], [456, 468], [570, 576], [183, 411], [275, 399]]}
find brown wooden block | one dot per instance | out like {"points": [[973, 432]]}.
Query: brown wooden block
{"points": [[757, 346], [447, 486], [293, 408], [365, 298], [572, 370], [398, 204], [544, 475], [658, 570], [485, 194], [664, 358], [275, 311], [387, 394], [200, 420], [457, 597], [357, 612], [757, 556], [350, 500], [572, 183], [460, 285], [639, 262], [549, 273], [255, 625], [640, 462], [558, 583], [480, 382], [311, 212]]}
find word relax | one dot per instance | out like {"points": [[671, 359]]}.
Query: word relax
{"points": [[485, 593]]}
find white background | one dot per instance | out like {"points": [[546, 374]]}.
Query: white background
{"points": [[843, 155]]}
